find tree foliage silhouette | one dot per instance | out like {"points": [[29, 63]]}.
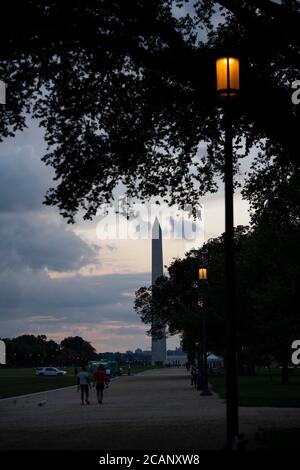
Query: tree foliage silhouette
{"points": [[125, 91], [268, 275]]}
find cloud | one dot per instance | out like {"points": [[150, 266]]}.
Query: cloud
{"points": [[95, 307], [24, 179], [30, 294], [33, 242]]}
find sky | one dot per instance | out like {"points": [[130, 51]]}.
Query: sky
{"points": [[64, 280]]}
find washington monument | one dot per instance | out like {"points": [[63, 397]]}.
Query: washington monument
{"points": [[159, 346]]}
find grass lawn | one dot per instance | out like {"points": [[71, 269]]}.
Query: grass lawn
{"points": [[262, 390], [14, 382]]}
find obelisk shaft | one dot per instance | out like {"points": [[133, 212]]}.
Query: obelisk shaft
{"points": [[159, 346]]}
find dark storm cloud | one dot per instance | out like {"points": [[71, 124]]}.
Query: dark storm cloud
{"points": [[24, 179], [32, 298], [75, 298], [31, 234], [32, 241]]}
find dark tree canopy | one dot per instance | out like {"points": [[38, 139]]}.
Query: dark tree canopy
{"points": [[126, 92], [268, 276], [33, 351]]}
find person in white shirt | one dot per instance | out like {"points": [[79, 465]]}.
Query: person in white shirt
{"points": [[83, 384]]}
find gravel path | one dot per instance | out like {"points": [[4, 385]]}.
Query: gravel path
{"points": [[157, 409]]}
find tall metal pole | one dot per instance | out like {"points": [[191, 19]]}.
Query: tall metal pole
{"points": [[205, 384], [231, 346], [200, 368], [205, 391]]}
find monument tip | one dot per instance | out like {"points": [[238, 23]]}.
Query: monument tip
{"points": [[156, 229]]}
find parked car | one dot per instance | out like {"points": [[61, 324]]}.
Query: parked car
{"points": [[50, 371]]}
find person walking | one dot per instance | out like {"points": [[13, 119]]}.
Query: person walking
{"points": [[107, 374], [99, 382], [83, 384], [193, 375]]}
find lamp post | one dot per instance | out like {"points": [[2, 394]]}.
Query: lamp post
{"points": [[202, 305], [199, 367], [228, 86]]}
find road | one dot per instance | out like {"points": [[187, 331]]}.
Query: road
{"points": [[157, 409]]}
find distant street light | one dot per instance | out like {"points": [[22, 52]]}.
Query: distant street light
{"points": [[202, 305], [203, 274], [228, 87]]}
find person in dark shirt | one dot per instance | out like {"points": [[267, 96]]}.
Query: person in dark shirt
{"points": [[99, 382]]}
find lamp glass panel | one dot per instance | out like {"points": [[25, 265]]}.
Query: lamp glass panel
{"points": [[202, 273], [228, 75], [234, 72], [222, 78]]}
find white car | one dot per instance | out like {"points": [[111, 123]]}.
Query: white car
{"points": [[50, 371]]}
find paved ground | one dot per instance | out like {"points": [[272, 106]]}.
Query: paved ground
{"points": [[152, 410]]}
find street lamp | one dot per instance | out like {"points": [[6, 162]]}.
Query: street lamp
{"points": [[202, 305], [203, 274], [228, 77], [228, 87]]}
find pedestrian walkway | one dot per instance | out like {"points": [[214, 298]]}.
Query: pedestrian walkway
{"points": [[157, 409]]}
